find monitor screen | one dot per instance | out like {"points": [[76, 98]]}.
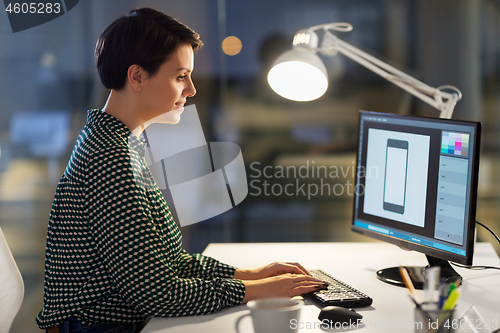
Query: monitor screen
{"points": [[416, 183]]}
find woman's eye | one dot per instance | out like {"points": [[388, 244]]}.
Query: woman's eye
{"points": [[182, 77]]}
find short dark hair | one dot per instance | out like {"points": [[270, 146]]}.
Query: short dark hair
{"points": [[145, 37]]}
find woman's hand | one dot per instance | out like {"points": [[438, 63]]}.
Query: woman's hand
{"points": [[274, 269], [284, 285]]}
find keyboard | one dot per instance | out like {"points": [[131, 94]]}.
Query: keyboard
{"points": [[338, 293]]}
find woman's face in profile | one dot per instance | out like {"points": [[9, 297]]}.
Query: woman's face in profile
{"points": [[165, 93]]}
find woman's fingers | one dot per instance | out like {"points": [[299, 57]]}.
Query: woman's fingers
{"points": [[304, 281], [304, 290], [299, 267], [307, 280], [304, 284], [289, 267], [282, 285], [273, 269]]}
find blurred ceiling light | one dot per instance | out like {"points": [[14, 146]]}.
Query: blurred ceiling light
{"points": [[300, 75], [48, 59], [231, 45]]}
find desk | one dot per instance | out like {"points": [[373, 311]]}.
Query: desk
{"points": [[355, 264]]}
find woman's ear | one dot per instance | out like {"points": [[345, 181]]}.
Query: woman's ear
{"points": [[136, 76]]}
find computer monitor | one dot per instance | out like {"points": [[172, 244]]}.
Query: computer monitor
{"points": [[416, 187]]}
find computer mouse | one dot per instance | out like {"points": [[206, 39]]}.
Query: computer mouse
{"points": [[339, 314]]}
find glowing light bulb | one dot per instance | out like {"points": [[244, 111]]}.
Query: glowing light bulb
{"points": [[298, 75]]}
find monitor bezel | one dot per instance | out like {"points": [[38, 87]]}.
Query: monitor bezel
{"points": [[468, 258]]}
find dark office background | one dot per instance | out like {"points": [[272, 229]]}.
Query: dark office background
{"points": [[48, 81]]}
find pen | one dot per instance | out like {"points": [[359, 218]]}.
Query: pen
{"points": [[449, 305], [443, 293], [453, 286], [452, 300], [409, 284]]}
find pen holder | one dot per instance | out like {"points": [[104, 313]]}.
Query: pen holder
{"points": [[433, 321]]}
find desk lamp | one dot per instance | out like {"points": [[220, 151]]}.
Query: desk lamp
{"points": [[300, 75]]}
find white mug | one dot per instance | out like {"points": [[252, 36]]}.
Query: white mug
{"points": [[274, 315]]}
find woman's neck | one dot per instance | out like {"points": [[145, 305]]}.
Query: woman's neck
{"points": [[123, 108]]}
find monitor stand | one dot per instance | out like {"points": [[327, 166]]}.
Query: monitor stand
{"points": [[417, 273]]}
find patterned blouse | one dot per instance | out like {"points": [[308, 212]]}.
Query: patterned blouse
{"points": [[113, 250]]}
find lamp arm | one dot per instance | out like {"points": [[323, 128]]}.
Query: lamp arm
{"points": [[436, 97]]}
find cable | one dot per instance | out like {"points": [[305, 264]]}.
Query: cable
{"points": [[482, 225], [474, 268], [477, 268]]}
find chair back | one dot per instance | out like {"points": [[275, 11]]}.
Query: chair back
{"points": [[11, 286]]}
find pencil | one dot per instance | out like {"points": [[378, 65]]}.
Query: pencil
{"points": [[409, 284]]}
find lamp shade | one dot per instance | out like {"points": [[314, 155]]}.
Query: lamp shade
{"points": [[298, 75]]}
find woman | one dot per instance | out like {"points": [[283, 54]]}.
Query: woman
{"points": [[114, 256]]}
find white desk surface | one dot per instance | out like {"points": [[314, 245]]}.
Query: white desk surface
{"points": [[355, 264]]}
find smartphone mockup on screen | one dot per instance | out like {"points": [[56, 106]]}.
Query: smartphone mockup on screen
{"points": [[396, 167]]}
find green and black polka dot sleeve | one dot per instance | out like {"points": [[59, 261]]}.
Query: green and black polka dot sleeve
{"points": [[113, 250]]}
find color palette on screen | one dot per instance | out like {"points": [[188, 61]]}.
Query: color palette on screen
{"points": [[455, 143]]}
